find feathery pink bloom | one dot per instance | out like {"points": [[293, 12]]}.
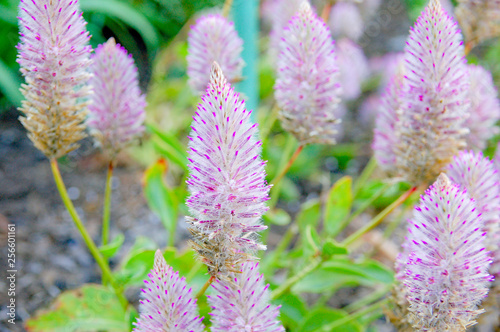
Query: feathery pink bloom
{"points": [[167, 303], [116, 114], [54, 57], [346, 21], [213, 38], [242, 303], [445, 260], [435, 105], [484, 108], [353, 68], [227, 178], [478, 175], [307, 87]]}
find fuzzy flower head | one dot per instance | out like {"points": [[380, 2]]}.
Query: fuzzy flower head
{"points": [[213, 38], [242, 303], [434, 103], [167, 303], [484, 108], [54, 57], [346, 20], [307, 87], [446, 263], [353, 68], [116, 115], [227, 179], [478, 175]]}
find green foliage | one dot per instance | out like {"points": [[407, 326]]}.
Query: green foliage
{"points": [[338, 205], [109, 250]]}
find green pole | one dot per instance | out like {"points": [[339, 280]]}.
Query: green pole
{"points": [[246, 20]]}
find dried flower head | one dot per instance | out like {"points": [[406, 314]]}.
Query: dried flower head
{"points": [[478, 175], [116, 114], [54, 57], [213, 38], [434, 105], [242, 303], [446, 263], [346, 20], [307, 86], [479, 19], [167, 303], [353, 68], [227, 179], [484, 108]]}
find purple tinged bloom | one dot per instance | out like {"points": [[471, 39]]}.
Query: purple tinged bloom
{"points": [[445, 263], [353, 68], [213, 38], [116, 115], [227, 179], [478, 175], [54, 57], [167, 304], [346, 21], [307, 87], [484, 108], [242, 303]]}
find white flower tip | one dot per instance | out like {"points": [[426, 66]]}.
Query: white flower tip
{"points": [[442, 181], [110, 45], [435, 5], [160, 262], [217, 77], [305, 7]]}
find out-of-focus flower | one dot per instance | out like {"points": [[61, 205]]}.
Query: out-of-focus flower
{"points": [[54, 56], [346, 21], [116, 114], [227, 179], [478, 175], [242, 303], [479, 19], [386, 66], [213, 38], [167, 304], [307, 86], [484, 108], [445, 262], [353, 67], [434, 101]]}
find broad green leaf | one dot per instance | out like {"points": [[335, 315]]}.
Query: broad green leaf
{"points": [[278, 217], [323, 316], [137, 263], [110, 249], [331, 248], [309, 214], [292, 311], [89, 308], [311, 241], [338, 205], [168, 145], [161, 199], [127, 14]]}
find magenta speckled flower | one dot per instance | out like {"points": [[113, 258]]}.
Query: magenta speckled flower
{"points": [[242, 303], [445, 261], [116, 115], [307, 86], [478, 175], [54, 56], [435, 104], [227, 178], [485, 108], [167, 304], [213, 38]]}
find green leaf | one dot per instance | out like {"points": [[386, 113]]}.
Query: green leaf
{"points": [[292, 311], [10, 84], [161, 199], [127, 14], [309, 215], [168, 145], [110, 249], [137, 263], [322, 316], [278, 217], [338, 205], [89, 308], [311, 241], [331, 248]]}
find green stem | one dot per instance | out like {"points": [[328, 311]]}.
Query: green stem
{"points": [[107, 206], [288, 165], [106, 271], [377, 294], [276, 189], [205, 287], [379, 217], [227, 7], [332, 326], [315, 263], [365, 175]]}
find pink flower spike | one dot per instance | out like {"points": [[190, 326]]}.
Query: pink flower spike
{"points": [[435, 102], [242, 303], [353, 68], [54, 56], [484, 108], [168, 304], [478, 175], [227, 179], [116, 115], [213, 38], [307, 86], [446, 275]]}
